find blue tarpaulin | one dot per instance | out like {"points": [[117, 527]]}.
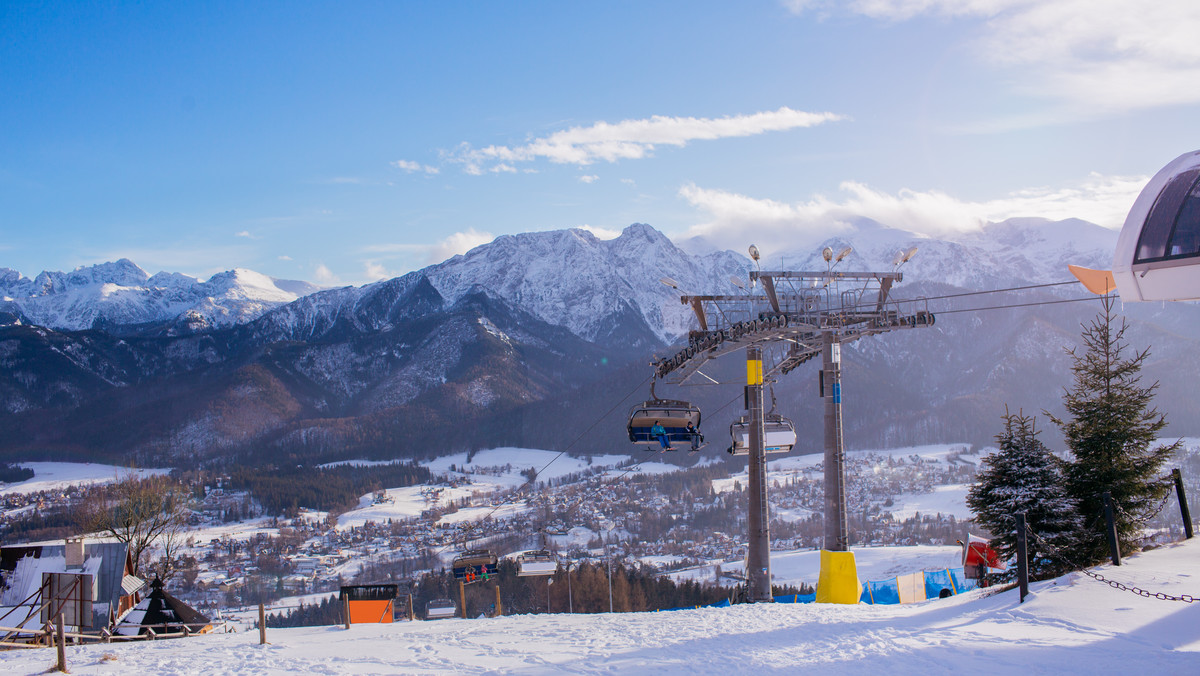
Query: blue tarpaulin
{"points": [[719, 604], [887, 592], [796, 598]]}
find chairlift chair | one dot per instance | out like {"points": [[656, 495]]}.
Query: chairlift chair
{"points": [[536, 563], [1158, 251], [440, 609], [780, 434], [672, 414], [475, 565]]}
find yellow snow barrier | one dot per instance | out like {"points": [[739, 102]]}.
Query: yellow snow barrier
{"points": [[838, 581]]}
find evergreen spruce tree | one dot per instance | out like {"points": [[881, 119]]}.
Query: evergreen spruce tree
{"points": [[1110, 429], [1023, 476]]}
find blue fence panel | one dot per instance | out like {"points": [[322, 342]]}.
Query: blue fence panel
{"points": [[938, 580], [796, 598], [882, 592]]}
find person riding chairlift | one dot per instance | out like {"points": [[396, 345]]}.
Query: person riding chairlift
{"points": [[694, 435], [659, 432]]}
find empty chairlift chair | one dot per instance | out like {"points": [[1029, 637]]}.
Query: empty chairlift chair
{"points": [[1158, 251], [440, 609], [780, 434], [536, 563], [476, 565], [672, 414]]}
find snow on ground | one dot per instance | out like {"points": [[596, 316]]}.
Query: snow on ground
{"points": [[49, 476], [946, 500], [1073, 625]]}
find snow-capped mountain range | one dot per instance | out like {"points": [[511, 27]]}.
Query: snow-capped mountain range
{"points": [[525, 336], [600, 290], [123, 294]]}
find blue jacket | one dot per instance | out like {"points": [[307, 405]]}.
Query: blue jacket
{"points": [[658, 430]]}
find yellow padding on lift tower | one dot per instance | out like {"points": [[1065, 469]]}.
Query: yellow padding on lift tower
{"points": [[754, 372], [838, 582]]}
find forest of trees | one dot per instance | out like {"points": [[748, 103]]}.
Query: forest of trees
{"points": [[284, 490]]}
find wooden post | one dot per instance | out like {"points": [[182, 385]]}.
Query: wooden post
{"points": [[61, 643], [1183, 505], [1022, 557], [346, 609], [411, 615], [1114, 545], [262, 624], [462, 598], [499, 607]]}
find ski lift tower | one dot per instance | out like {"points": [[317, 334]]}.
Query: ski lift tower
{"points": [[785, 319]]}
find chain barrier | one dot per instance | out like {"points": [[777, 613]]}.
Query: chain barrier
{"points": [[1051, 549], [1162, 504]]}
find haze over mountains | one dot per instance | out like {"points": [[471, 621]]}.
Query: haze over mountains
{"points": [[528, 341]]}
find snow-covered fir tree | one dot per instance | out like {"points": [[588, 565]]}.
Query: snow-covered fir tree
{"points": [[1023, 476], [1111, 428]]}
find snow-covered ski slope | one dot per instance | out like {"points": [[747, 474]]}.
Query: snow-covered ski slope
{"points": [[1073, 625]]}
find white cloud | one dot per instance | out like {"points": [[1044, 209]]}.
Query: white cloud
{"points": [[1095, 55], [589, 178], [411, 167], [630, 139], [325, 277], [244, 233], [285, 258], [458, 243], [601, 233], [1103, 200], [376, 271]]}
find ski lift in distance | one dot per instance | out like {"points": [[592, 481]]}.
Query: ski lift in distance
{"points": [[1157, 256], [536, 564], [475, 565], [780, 434], [672, 414], [440, 609]]}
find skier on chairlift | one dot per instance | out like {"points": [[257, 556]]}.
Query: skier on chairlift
{"points": [[659, 432], [695, 436]]}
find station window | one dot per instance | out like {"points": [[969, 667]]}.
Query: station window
{"points": [[1172, 229]]}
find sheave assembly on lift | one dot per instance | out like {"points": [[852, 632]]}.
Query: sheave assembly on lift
{"points": [[673, 415]]}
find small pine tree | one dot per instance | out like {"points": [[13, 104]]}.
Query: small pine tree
{"points": [[1110, 429], [1023, 476]]}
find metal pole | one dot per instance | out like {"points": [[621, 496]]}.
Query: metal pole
{"points": [[1022, 556], [570, 597], [758, 559], [837, 528], [1114, 545], [1183, 505], [548, 581], [462, 598], [610, 600]]}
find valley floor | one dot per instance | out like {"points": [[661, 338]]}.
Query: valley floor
{"points": [[1071, 625]]}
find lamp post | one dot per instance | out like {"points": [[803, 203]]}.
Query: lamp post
{"points": [[570, 598]]}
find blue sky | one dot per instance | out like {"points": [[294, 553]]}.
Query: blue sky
{"points": [[347, 142]]}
